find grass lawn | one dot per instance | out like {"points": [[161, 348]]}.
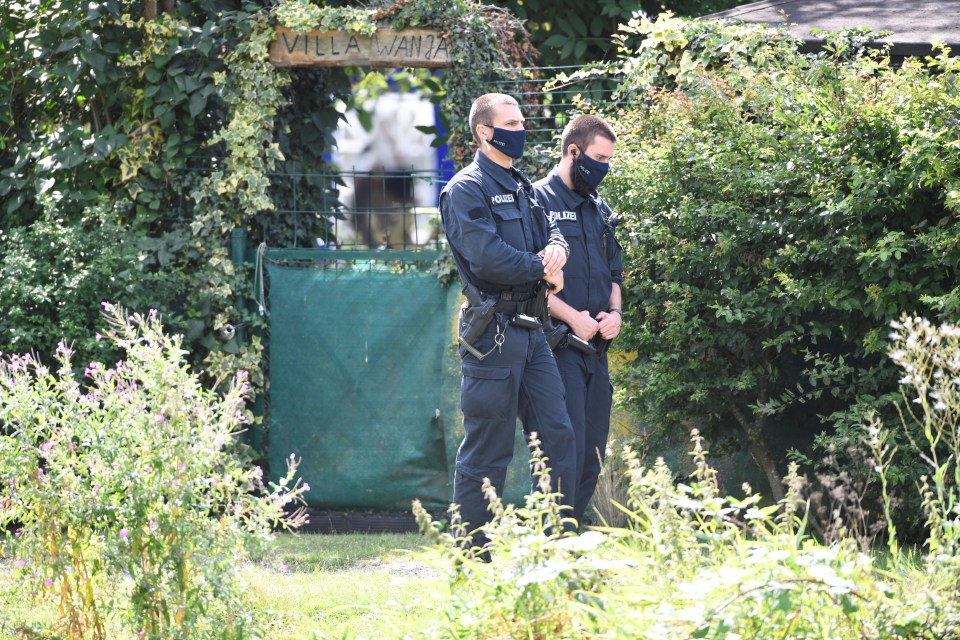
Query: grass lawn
{"points": [[309, 586], [361, 585]]}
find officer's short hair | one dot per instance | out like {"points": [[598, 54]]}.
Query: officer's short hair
{"points": [[481, 112], [582, 129]]}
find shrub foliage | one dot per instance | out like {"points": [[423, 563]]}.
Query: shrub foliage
{"points": [[781, 209]]}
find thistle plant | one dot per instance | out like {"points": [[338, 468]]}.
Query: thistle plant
{"points": [[129, 497]]}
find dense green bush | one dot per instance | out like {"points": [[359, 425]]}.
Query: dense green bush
{"points": [[54, 273], [130, 497], [781, 209]]}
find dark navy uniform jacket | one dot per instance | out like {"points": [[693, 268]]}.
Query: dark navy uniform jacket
{"points": [[495, 227], [589, 273]]}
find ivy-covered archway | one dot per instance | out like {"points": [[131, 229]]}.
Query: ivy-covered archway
{"points": [[134, 146], [480, 39], [322, 397]]}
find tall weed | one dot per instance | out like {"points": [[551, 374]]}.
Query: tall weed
{"points": [[691, 563], [930, 359], [130, 501], [607, 504], [533, 581]]}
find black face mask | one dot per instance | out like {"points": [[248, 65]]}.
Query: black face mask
{"points": [[509, 142], [580, 185], [587, 173]]}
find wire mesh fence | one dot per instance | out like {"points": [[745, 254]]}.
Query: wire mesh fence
{"points": [[396, 210], [551, 95], [375, 210], [377, 216]]}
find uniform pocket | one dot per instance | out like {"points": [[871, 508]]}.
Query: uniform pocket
{"points": [[569, 229], [510, 225], [485, 392]]}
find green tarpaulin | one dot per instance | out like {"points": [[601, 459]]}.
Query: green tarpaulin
{"points": [[357, 376], [364, 387]]}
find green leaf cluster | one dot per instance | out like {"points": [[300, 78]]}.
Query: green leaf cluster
{"points": [[781, 209], [50, 266], [566, 35], [132, 149]]}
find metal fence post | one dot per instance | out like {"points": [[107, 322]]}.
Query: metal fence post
{"points": [[238, 255]]}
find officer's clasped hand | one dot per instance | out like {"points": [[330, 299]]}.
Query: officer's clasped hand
{"points": [[554, 257], [584, 326], [609, 324], [554, 281]]}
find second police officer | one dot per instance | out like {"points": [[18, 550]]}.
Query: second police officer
{"points": [[587, 311], [504, 248]]}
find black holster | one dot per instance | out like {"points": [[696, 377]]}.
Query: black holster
{"points": [[559, 336], [537, 306], [602, 346], [556, 333], [475, 318]]}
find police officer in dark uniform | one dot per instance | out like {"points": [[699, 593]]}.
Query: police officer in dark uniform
{"points": [[587, 311], [507, 252]]}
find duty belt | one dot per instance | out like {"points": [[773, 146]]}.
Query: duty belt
{"points": [[515, 306], [510, 295], [511, 302], [476, 317]]}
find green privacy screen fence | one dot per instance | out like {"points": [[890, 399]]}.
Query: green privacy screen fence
{"points": [[364, 387]]}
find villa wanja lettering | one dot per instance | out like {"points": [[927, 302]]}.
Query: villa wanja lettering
{"points": [[429, 46], [319, 45], [408, 48]]}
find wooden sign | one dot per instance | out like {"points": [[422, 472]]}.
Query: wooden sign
{"points": [[385, 48]]}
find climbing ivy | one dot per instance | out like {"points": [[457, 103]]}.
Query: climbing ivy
{"points": [[158, 138], [253, 91]]}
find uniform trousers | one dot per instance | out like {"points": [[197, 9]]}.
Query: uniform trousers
{"points": [[589, 396], [519, 379]]}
